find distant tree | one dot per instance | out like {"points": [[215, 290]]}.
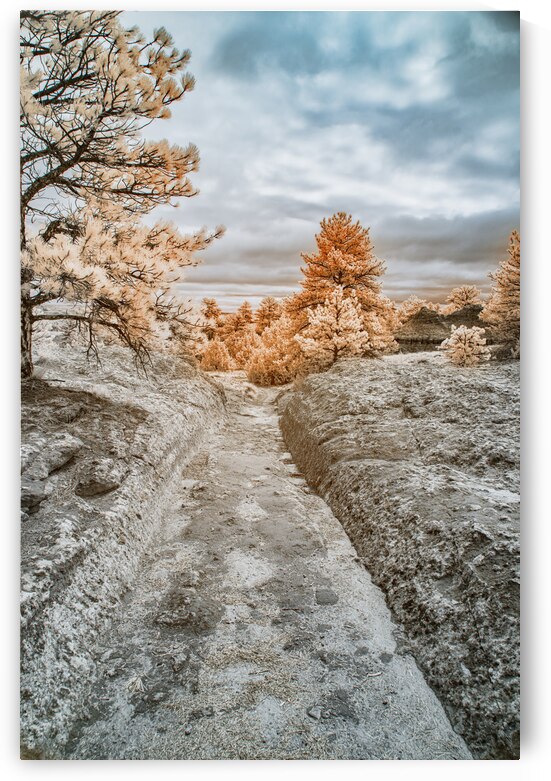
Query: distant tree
{"points": [[344, 260], [465, 295], [234, 328], [241, 344], [234, 323], [216, 357], [335, 329], [466, 346], [268, 311], [88, 87], [381, 324], [502, 311], [228, 325], [210, 309], [245, 314], [212, 317], [412, 305]]}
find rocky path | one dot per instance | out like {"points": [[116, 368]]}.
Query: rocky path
{"points": [[254, 631]]}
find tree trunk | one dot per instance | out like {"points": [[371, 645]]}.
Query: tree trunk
{"points": [[26, 307], [26, 336]]}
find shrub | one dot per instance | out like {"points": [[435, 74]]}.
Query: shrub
{"points": [[216, 357], [278, 360], [466, 346]]}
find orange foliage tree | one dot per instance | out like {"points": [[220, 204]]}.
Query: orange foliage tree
{"points": [[215, 357], [502, 311], [278, 358], [212, 317], [238, 333], [345, 260], [268, 311]]}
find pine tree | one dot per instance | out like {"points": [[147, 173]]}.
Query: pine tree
{"points": [[210, 309], [241, 344], [464, 295], [113, 278], [212, 317], [245, 314], [232, 324], [335, 329], [502, 311], [345, 260], [381, 324], [466, 346], [234, 329], [268, 311], [88, 88]]}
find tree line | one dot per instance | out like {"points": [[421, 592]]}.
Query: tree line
{"points": [[340, 312]]}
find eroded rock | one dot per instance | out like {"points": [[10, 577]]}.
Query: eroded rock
{"points": [[100, 476], [97, 430], [326, 596], [40, 458], [436, 522], [33, 493]]}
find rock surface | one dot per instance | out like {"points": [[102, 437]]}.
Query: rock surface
{"points": [[420, 462], [101, 449], [426, 329]]}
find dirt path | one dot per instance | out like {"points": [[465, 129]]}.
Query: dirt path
{"points": [[254, 631]]}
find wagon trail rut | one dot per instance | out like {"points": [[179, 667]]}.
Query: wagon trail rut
{"points": [[253, 630]]}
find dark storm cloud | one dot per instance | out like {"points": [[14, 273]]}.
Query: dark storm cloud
{"points": [[270, 41], [410, 121], [465, 241]]}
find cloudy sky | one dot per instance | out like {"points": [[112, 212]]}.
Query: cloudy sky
{"points": [[409, 121]]}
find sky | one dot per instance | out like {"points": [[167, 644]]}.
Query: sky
{"points": [[409, 121]]}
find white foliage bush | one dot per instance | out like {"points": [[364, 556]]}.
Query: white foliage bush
{"points": [[466, 346], [335, 329]]}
